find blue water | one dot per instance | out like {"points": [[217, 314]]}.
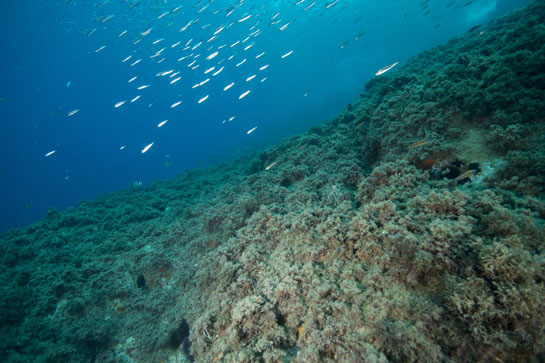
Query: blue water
{"points": [[49, 67]]}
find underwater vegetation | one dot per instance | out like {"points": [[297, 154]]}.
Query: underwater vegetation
{"points": [[409, 228]]}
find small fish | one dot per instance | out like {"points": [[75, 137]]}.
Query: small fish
{"points": [[135, 99], [73, 112], [176, 104], [287, 54], [268, 167], [120, 103], [308, 7], [251, 130], [165, 73], [331, 4], [146, 148], [99, 49], [50, 153], [386, 69], [203, 99], [418, 143], [262, 68], [212, 56], [245, 18], [143, 87], [218, 71], [465, 175], [250, 78], [160, 124], [244, 95]]}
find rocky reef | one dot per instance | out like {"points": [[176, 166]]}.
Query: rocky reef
{"points": [[409, 228]]}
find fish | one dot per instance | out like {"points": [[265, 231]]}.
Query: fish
{"points": [[243, 95], [287, 54], [245, 18], [331, 4], [250, 78], [310, 6], [418, 143], [133, 78], [162, 123], [251, 130], [386, 69], [145, 149], [203, 99], [176, 104], [135, 99], [217, 72], [73, 112], [143, 87], [175, 80], [99, 49], [120, 103], [50, 153], [165, 73], [465, 175], [268, 167], [264, 67], [212, 56]]}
